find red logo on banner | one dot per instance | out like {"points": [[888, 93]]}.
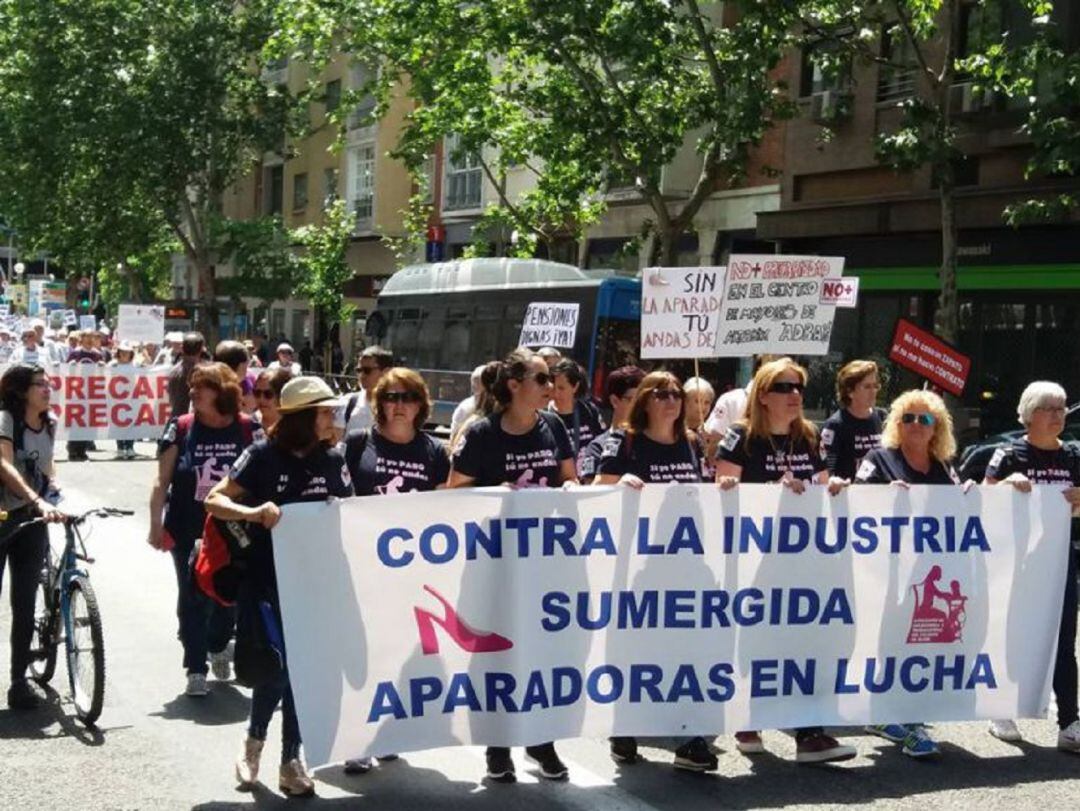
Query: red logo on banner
{"points": [[930, 357], [938, 615]]}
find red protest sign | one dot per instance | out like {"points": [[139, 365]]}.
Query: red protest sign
{"points": [[930, 357]]}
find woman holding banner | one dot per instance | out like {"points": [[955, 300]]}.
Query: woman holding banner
{"points": [[124, 362], [855, 428], [917, 444], [296, 464], [194, 453], [583, 422], [657, 448], [520, 445], [774, 442], [1040, 457]]}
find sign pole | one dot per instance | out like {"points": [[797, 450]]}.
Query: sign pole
{"points": [[697, 374]]}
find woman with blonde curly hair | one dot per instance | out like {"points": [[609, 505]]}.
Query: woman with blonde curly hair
{"points": [[917, 444], [774, 442]]}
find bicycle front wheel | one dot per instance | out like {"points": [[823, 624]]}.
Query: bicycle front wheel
{"points": [[85, 651], [46, 637]]}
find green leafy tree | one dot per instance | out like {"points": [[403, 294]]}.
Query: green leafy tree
{"points": [[324, 266], [1045, 77], [584, 95], [119, 118]]}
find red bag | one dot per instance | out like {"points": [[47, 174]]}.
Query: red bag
{"points": [[221, 561]]}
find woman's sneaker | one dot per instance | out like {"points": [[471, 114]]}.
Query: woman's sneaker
{"points": [[544, 755], [293, 780], [897, 733], [358, 765], [1005, 731], [695, 756], [247, 765], [500, 766], [817, 747], [624, 749], [919, 744], [1069, 738], [749, 743], [221, 665], [196, 685]]}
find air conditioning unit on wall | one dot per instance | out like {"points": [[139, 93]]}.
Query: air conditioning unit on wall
{"points": [[827, 106], [966, 99]]}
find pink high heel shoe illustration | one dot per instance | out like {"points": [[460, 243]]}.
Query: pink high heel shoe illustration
{"points": [[467, 638]]}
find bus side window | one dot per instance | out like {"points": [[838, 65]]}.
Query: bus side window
{"points": [[403, 335], [430, 337], [454, 346]]}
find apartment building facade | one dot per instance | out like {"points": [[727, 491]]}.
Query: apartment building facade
{"points": [[1019, 287]]}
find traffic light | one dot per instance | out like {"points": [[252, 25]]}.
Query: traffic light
{"points": [[83, 300]]}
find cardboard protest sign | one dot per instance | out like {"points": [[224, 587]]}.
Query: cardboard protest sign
{"points": [[842, 293], [70, 319], [772, 303], [141, 324], [87, 322], [680, 311], [5, 310], [930, 357], [550, 324]]}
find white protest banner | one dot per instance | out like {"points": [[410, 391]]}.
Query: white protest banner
{"points": [[109, 402], [772, 303], [843, 293], [88, 322], [141, 324], [549, 323], [5, 310], [508, 617], [680, 311]]}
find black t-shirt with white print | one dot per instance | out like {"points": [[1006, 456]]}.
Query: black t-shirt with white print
{"points": [[268, 473], [886, 465], [379, 465], [589, 425], [653, 462], [589, 459], [1060, 466], [766, 459], [846, 439], [492, 456]]}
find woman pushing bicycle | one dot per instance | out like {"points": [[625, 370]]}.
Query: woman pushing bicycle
{"points": [[27, 434]]}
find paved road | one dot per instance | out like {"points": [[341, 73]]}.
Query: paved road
{"points": [[158, 749]]}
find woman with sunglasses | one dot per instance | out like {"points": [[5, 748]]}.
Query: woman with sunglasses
{"points": [[395, 456], [656, 448], [1040, 457], [582, 420], [855, 428], [521, 445], [916, 446], [267, 394], [774, 442], [296, 464]]}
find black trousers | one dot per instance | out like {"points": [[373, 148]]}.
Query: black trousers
{"points": [[1065, 680], [23, 555]]}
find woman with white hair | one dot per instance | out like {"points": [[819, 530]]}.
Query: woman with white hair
{"points": [[1040, 457]]}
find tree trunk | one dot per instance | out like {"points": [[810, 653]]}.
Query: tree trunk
{"points": [[947, 316], [208, 323], [667, 248]]}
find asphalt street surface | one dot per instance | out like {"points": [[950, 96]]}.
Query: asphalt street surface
{"points": [[156, 748]]}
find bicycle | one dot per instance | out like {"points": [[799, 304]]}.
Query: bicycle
{"points": [[67, 609]]}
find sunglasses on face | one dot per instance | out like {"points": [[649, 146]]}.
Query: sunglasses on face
{"points": [[663, 395], [541, 378], [401, 397], [786, 387], [263, 394], [921, 419]]}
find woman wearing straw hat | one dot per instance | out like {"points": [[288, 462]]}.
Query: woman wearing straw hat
{"points": [[297, 463]]}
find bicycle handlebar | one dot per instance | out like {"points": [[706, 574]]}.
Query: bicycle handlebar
{"points": [[73, 520]]}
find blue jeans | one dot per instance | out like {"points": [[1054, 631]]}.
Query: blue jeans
{"points": [[205, 626], [264, 700]]}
